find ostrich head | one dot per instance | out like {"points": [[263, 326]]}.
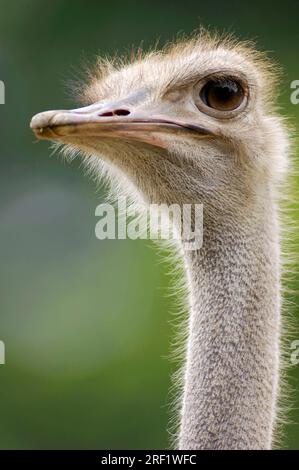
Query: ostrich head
{"points": [[191, 122]]}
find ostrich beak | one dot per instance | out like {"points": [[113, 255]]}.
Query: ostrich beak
{"points": [[111, 120]]}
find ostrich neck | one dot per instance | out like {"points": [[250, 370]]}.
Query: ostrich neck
{"points": [[231, 371]]}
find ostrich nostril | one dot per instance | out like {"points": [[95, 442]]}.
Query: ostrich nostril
{"points": [[116, 112], [122, 112], [106, 114]]}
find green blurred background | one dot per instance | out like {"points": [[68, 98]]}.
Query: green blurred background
{"points": [[86, 323]]}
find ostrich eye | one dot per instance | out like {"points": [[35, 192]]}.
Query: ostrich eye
{"points": [[222, 94]]}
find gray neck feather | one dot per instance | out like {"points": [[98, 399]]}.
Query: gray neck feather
{"points": [[231, 370]]}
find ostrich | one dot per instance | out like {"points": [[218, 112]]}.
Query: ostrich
{"points": [[195, 122]]}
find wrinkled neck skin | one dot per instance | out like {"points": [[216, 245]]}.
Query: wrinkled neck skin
{"points": [[231, 370]]}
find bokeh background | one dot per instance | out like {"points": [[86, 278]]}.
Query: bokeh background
{"points": [[86, 323]]}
